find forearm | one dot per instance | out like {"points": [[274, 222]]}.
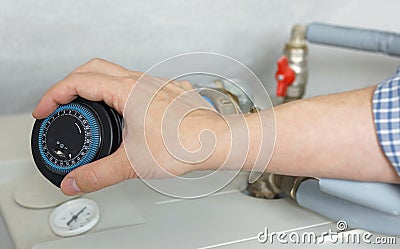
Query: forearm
{"points": [[331, 136]]}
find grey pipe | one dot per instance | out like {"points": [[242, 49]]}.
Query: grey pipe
{"points": [[383, 197], [311, 197], [354, 38]]}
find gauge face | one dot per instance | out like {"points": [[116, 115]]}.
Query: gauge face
{"points": [[69, 138], [74, 217]]}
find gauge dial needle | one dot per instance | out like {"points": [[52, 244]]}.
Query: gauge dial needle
{"points": [[75, 216]]}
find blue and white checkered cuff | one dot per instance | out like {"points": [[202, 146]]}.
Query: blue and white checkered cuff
{"points": [[386, 109]]}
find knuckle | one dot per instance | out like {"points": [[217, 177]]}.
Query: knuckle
{"points": [[128, 81], [95, 61], [91, 63]]}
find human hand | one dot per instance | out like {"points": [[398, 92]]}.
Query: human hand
{"points": [[100, 80]]}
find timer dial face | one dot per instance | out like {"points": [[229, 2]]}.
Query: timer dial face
{"points": [[75, 134], [69, 138]]}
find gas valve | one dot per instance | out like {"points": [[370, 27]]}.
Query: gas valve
{"points": [[284, 76]]}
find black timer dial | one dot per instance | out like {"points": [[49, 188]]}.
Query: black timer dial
{"points": [[74, 135]]}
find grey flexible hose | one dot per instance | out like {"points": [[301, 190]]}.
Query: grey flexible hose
{"points": [[354, 38]]}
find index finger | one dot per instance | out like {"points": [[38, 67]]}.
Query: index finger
{"points": [[91, 86], [101, 66]]}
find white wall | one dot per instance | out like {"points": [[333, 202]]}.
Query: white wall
{"points": [[42, 41]]}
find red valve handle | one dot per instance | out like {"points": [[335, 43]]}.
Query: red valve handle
{"points": [[284, 76]]}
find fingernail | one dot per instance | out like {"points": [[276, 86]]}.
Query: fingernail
{"points": [[70, 187]]}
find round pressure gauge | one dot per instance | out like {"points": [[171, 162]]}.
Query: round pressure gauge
{"points": [[73, 135], [74, 217]]}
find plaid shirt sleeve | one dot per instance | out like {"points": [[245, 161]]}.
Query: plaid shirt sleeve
{"points": [[386, 110]]}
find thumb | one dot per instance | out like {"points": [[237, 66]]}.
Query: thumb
{"points": [[99, 174]]}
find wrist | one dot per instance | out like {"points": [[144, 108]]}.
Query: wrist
{"points": [[249, 141], [240, 141]]}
